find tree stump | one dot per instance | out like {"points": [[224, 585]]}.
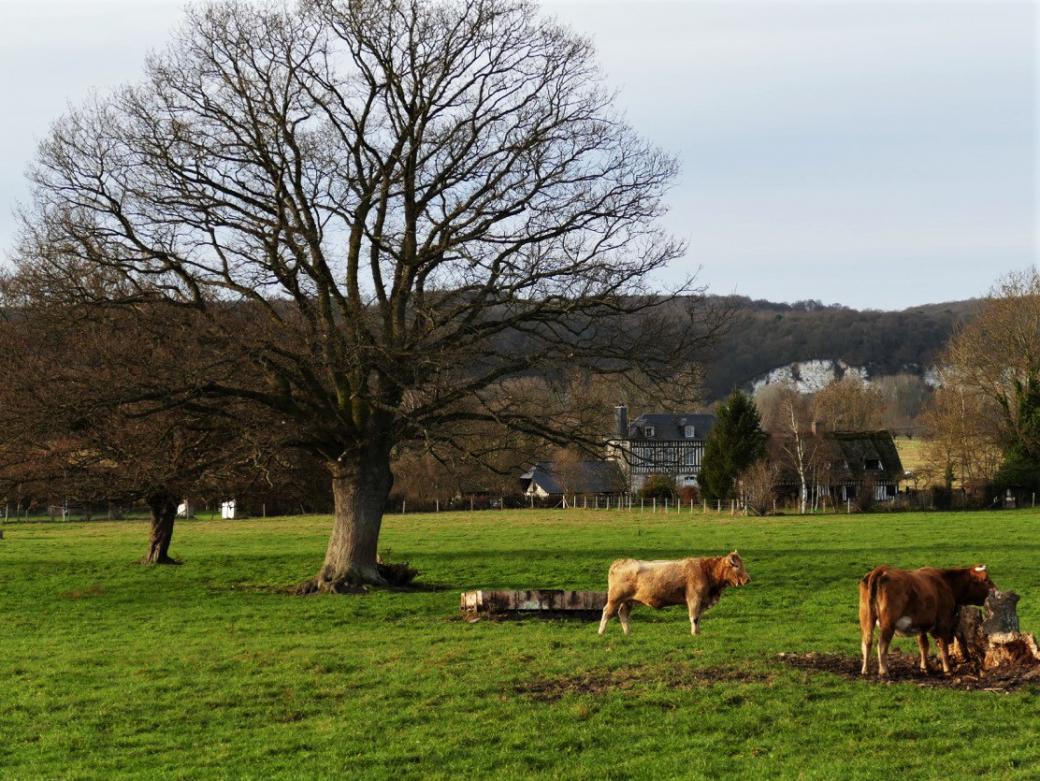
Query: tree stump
{"points": [[994, 640]]}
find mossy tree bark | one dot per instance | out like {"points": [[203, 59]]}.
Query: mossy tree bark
{"points": [[361, 483]]}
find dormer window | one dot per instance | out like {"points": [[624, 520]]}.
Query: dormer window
{"points": [[649, 431], [872, 463], [690, 432]]}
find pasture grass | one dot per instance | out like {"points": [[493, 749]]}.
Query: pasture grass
{"points": [[913, 453], [210, 670]]}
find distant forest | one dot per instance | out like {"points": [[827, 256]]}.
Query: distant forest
{"points": [[765, 335]]}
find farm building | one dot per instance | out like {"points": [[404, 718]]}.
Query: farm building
{"points": [[842, 464], [659, 443], [578, 478]]}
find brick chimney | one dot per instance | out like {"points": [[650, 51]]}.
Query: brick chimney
{"points": [[621, 420]]}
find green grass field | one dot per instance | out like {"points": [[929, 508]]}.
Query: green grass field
{"points": [[209, 670]]}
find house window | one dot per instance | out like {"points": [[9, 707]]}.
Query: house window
{"points": [[649, 432], [872, 463], [690, 432]]}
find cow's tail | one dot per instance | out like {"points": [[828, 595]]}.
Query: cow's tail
{"points": [[868, 609]]}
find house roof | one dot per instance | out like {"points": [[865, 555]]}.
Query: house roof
{"points": [[671, 425], [846, 454], [858, 447], [580, 477]]}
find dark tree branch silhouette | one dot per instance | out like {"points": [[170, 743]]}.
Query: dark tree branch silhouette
{"points": [[394, 209]]}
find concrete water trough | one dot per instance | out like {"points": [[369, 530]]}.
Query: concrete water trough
{"points": [[539, 603]]}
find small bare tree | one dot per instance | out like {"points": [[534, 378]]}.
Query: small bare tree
{"points": [[850, 404], [757, 486], [963, 434], [87, 416], [795, 440]]}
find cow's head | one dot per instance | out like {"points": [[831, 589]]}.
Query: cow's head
{"points": [[733, 572], [979, 585]]}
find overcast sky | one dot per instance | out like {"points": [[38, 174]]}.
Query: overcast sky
{"points": [[876, 154]]}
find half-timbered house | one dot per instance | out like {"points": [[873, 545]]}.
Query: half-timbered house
{"points": [[659, 443]]}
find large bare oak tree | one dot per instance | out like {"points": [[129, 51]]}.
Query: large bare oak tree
{"points": [[398, 210]]}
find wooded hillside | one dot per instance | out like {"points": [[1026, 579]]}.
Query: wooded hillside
{"points": [[764, 335]]}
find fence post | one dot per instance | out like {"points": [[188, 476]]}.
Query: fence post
{"points": [[437, 505], [848, 506], [655, 504], [640, 504], [471, 502], [404, 506]]}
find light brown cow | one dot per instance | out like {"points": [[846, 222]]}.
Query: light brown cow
{"points": [[696, 583], [916, 602]]}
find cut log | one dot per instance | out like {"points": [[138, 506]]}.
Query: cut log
{"points": [[1001, 613], [543, 603], [994, 640]]}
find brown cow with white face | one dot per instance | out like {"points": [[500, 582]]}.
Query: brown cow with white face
{"points": [[696, 583], [917, 603]]}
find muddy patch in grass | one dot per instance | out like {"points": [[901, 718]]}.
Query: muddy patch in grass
{"points": [[903, 669], [632, 679]]}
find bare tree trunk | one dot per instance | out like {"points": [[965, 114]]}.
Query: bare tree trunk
{"points": [[164, 513], [360, 487]]}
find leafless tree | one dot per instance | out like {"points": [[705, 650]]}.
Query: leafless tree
{"points": [[788, 416], [850, 404], [905, 397], [963, 435], [86, 416], [997, 355], [394, 208], [756, 485]]}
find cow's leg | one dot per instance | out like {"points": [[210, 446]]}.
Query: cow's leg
{"points": [[922, 644], [694, 605], [944, 654], [884, 638], [866, 624], [622, 614], [608, 610]]}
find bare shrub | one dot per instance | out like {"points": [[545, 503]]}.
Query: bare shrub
{"points": [[757, 487]]}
